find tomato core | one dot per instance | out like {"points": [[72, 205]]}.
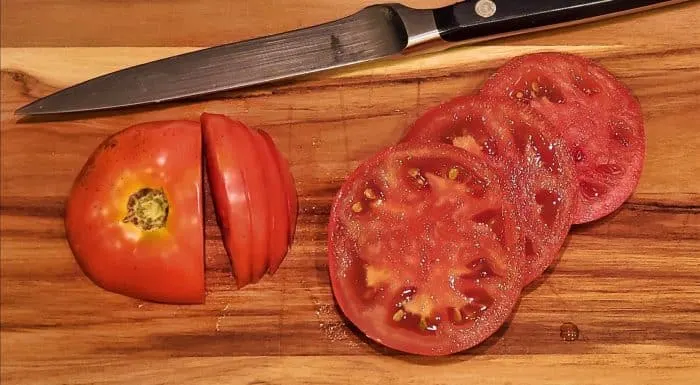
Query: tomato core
{"points": [[147, 209]]}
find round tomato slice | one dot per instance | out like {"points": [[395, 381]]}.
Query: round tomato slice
{"points": [[134, 215], [597, 115], [531, 159], [423, 249], [238, 190], [290, 195]]}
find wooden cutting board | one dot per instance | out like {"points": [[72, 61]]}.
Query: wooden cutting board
{"points": [[630, 282]]}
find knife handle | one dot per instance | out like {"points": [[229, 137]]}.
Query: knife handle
{"points": [[479, 19]]}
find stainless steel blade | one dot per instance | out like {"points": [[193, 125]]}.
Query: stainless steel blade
{"points": [[372, 33]]}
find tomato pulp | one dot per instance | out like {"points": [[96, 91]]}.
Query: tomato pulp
{"points": [[597, 115], [423, 250], [532, 161], [134, 214]]}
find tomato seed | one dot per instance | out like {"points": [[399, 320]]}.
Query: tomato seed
{"points": [[467, 143], [369, 194], [453, 173], [357, 207], [457, 315], [399, 315]]}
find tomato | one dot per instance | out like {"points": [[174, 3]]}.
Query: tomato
{"points": [[597, 115], [523, 147], [238, 190], [286, 185], [423, 250], [133, 218], [278, 224]]}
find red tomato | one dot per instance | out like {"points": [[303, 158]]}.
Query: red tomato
{"points": [[283, 204], [134, 215], [597, 115], [276, 199], [238, 190], [523, 147], [423, 250]]}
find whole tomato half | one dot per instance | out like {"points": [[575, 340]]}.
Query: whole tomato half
{"points": [[134, 214]]}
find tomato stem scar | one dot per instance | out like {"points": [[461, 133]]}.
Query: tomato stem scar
{"points": [[147, 209]]}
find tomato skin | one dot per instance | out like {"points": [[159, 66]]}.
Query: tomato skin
{"points": [[530, 156], [162, 265], [597, 114], [401, 239]]}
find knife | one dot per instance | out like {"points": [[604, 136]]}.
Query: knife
{"points": [[375, 32]]}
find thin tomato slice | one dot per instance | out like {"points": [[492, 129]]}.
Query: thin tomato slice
{"points": [[134, 215], [238, 190], [278, 224], [531, 158], [289, 185], [423, 251], [597, 114]]}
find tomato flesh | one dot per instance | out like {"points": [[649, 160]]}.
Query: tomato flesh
{"points": [[423, 250], [529, 157], [134, 216], [596, 114]]}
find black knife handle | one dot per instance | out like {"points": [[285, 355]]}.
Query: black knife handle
{"points": [[474, 19]]}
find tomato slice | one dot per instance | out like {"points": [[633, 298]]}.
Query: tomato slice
{"points": [[134, 214], [238, 190], [523, 147], [278, 225], [289, 185], [597, 114], [423, 249]]}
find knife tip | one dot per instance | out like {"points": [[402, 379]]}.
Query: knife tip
{"points": [[29, 109]]}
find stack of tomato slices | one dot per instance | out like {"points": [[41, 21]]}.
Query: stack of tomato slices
{"points": [[134, 216], [432, 240]]}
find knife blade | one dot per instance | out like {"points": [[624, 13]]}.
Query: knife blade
{"points": [[375, 32]]}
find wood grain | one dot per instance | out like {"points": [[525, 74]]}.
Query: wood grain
{"points": [[177, 23], [629, 281]]}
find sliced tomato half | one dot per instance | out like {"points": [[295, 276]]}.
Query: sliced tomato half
{"points": [[134, 214], [597, 114], [239, 193], [288, 186], [532, 160], [423, 249], [278, 223]]}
